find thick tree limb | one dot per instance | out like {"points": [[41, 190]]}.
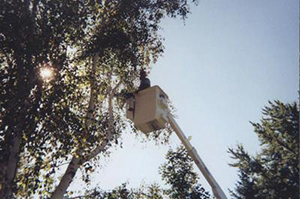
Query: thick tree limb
{"points": [[77, 162], [109, 136]]}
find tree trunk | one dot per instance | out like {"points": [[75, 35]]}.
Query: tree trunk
{"points": [[76, 162], [11, 168], [66, 179]]}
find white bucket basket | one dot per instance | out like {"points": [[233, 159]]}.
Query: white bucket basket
{"points": [[148, 109]]}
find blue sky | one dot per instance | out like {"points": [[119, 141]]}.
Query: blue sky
{"points": [[219, 69]]}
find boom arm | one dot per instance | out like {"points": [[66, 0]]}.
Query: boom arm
{"points": [[148, 110], [218, 192]]}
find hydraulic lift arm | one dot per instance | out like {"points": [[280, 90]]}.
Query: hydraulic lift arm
{"points": [[148, 109], [218, 192]]}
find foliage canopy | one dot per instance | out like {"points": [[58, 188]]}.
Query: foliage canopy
{"points": [[96, 50]]}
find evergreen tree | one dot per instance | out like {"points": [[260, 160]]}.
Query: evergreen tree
{"points": [[274, 172]]}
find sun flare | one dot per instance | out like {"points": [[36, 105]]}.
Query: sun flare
{"points": [[46, 73]]}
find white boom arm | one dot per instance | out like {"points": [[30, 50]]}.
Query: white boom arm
{"points": [[218, 192]]}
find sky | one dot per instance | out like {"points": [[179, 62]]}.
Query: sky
{"points": [[220, 68]]}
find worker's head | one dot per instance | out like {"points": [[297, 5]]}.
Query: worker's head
{"points": [[143, 74]]}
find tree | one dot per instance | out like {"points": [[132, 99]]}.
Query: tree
{"points": [[274, 171], [31, 36], [177, 173], [95, 50], [152, 191]]}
